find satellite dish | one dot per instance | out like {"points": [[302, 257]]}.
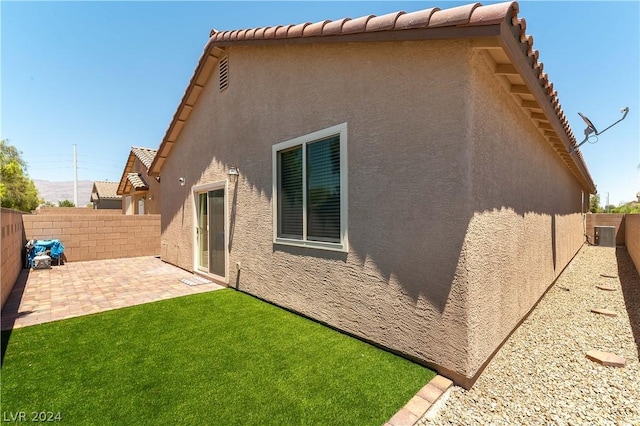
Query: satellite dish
{"points": [[591, 128]]}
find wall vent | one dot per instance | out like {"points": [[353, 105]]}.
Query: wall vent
{"points": [[224, 73]]}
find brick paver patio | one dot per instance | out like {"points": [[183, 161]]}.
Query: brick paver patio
{"points": [[81, 288]]}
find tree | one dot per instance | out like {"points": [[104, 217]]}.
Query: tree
{"points": [[594, 204], [17, 190], [66, 203], [629, 208]]}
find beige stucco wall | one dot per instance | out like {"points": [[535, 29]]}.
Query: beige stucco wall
{"points": [[424, 203], [151, 196], [632, 237], [527, 222]]}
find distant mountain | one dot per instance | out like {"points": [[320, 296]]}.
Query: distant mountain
{"points": [[58, 191]]}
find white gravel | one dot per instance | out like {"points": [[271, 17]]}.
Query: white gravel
{"points": [[541, 376]]}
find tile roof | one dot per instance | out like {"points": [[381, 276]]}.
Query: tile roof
{"points": [[137, 181], [497, 21], [145, 155], [106, 190]]}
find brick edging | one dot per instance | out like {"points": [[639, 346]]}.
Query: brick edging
{"points": [[420, 403]]}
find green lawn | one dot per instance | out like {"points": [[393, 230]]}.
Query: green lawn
{"points": [[218, 358]]}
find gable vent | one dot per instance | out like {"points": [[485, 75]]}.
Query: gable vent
{"points": [[224, 73]]}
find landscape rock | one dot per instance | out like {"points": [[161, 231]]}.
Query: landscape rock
{"points": [[543, 363]]}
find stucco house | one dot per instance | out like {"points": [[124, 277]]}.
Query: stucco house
{"points": [[140, 192], [104, 195], [405, 178]]}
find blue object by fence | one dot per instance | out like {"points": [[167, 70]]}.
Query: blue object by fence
{"points": [[55, 248]]}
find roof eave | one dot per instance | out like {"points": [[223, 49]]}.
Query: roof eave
{"points": [[546, 101], [127, 168]]}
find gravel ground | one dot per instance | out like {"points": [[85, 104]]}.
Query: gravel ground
{"points": [[541, 375]]}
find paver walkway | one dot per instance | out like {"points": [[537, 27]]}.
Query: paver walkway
{"points": [[81, 288]]}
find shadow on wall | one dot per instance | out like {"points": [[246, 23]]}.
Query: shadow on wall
{"points": [[630, 282], [409, 227], [415, 238]]}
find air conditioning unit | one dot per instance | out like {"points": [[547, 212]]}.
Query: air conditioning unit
{"points": [[604, 236]]}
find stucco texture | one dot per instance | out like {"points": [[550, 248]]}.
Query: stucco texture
{"points": [[460, 215]]}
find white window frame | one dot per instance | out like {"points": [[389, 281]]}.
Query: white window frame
{"points": [[337, 130], [205, 188]]}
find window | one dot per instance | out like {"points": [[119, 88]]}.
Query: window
{"points": [[310, 190]]}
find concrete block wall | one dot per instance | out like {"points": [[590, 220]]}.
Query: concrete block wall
{"points": [[632, 237], [72, 211], [97, 236], [11, 249], [607, 219]]}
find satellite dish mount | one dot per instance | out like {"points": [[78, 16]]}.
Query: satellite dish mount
{"points": [[591, 128]]}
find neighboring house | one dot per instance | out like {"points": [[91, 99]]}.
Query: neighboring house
{"points": [[404, 178], [140, 192], [104, 195]]}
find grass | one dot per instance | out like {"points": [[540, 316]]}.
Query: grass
{"points": [[220, 358]]}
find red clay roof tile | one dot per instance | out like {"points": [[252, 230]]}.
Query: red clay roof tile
{"points": [[453, 16], [282, 31], [270, 32], [357, 25], [384, 22], [334, 27], [313, 30], [298, 30], [493, 14], [260, 32], [418, 19]]}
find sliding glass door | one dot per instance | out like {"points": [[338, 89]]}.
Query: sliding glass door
{"points": [[211, 232]]}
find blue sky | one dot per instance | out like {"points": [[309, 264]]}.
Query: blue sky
{"points": [[109, 75]]}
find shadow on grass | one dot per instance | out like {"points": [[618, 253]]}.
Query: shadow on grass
{"points": [[10, 310], [630, 282]]}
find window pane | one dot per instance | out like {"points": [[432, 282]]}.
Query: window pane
{"points": [[203, 232], [290, 193], [216, 233], [323, 190]]}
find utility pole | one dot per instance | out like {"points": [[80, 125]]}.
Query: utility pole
{"points": [[75, 176], [607, 202]]}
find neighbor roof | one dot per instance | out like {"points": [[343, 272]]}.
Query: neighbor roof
{"points": [[105, 190], [495, 29], [146, 156], [137, 182]]}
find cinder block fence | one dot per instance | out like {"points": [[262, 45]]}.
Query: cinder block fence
{"points": [[617, 220], [99, 236], [85, 233], [632, 237], [12, 243]]}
